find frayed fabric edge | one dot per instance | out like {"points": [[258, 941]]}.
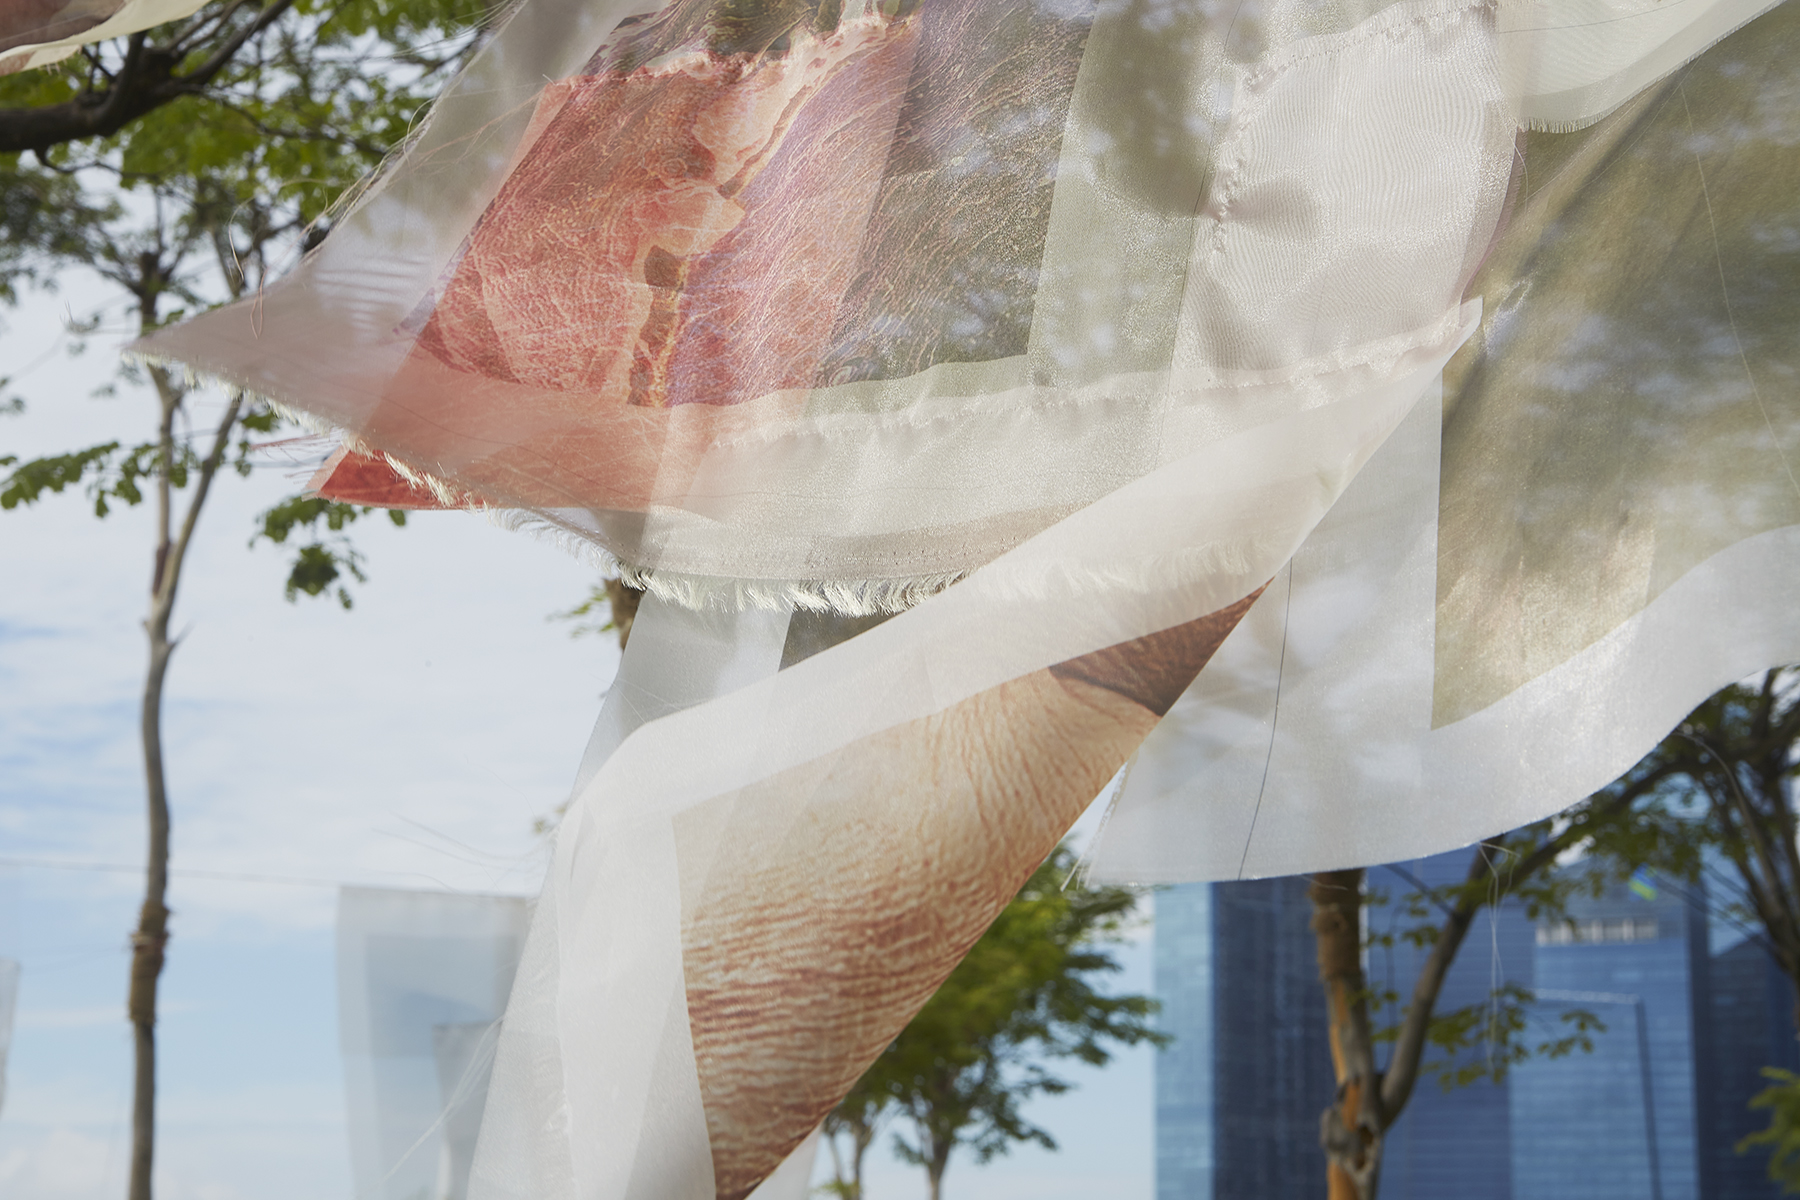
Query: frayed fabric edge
{"points": [[846, 597], [1171, 571]]}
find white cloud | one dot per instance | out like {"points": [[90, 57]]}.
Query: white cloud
{"points": [[57, 1164], [70, 1018]]}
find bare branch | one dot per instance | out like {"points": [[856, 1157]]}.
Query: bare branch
{"points": [[146, 81]]}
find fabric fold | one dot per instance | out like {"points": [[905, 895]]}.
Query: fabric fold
{"points": [[1251, 387]]}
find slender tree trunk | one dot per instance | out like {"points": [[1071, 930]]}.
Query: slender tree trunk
{"points": [[152, 933], [1368, 1102], [1351, 1129], [847, 1176], [863, 1135], [151, 938]]}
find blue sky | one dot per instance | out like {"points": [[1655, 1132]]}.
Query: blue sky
{"points": [[409, 743]]}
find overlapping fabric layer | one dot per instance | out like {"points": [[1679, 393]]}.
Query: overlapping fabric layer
{"points": [[1417, 369], [422, 980], [35, 33]]}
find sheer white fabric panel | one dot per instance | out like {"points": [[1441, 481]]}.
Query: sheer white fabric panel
{"points": [[1612, 539], [676, 658], [1298, 747], [1254, 304], [936, 473], [9, 1008], [423, 977], [597, 1036], [1574, 61]]}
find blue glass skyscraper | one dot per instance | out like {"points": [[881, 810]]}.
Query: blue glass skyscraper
{"points": [[1239, 1092], [1752, 1028], [1624, 1120], [1652, 1112], [1456, 1142]]}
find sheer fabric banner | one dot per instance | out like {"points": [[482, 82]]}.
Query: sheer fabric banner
{"points": [[9, 1010], [423, 979], [961, 377]]}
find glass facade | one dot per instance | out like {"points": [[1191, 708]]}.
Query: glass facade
{"points": [[1239, 1092], [1456, 1142], [1624, 1120], [1753, 1028], [1652, 1112]]}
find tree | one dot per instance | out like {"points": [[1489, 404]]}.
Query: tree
{"points": [[1733, 824], [325, 60], [1615, 829], [1731, 816], [1025, 994], [856, 1120], [1715, 790], [1782, 1137], [211, 157], [621, 602]]}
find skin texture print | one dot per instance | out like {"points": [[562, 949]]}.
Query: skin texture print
{"points": [[822, 907]]}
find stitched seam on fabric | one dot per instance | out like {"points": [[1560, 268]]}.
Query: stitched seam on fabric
{"points": [[1250, 92], [1642, 10], [1287, 612], [1382, 354]]}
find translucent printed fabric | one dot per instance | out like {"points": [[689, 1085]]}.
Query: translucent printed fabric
{"points": [[35, 33], [423, 978], [1419, 366], [1525, 591], [9, 1008]]}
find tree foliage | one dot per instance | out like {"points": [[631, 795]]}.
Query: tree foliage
{"points": [[189, 166], [307, 81], [1026, 995], [1708, 805], [1782, 1137]]}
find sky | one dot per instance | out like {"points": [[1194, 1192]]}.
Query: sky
{"points": [[411, 743]]}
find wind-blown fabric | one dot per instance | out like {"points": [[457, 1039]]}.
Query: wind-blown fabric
{"points": [[9, 1007], [36, 33], [422, 980], [1420, 370]]}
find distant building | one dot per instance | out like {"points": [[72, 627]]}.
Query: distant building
{"points": [[1458, 1142], [1752, 1028], [1653, 1112], [1239, 1093], [1623, 1121]]}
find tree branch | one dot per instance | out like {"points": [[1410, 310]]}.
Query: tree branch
{"points": [[209, 467], [1409, 1047], [204, 21], [145, 82], [322, 134]]}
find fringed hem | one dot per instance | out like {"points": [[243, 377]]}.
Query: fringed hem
{"points": [[846, 597]]}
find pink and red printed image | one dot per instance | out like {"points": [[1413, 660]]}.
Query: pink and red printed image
{"points": [[722, 210]]}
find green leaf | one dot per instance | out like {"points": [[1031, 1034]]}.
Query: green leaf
{"points": [[1782, 1136], [28, 483]]}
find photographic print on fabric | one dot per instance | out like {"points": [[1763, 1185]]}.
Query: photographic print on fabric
{"points": [[785, 303]]}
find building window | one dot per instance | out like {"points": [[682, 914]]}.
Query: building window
{"points": [[1618, 929]]}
